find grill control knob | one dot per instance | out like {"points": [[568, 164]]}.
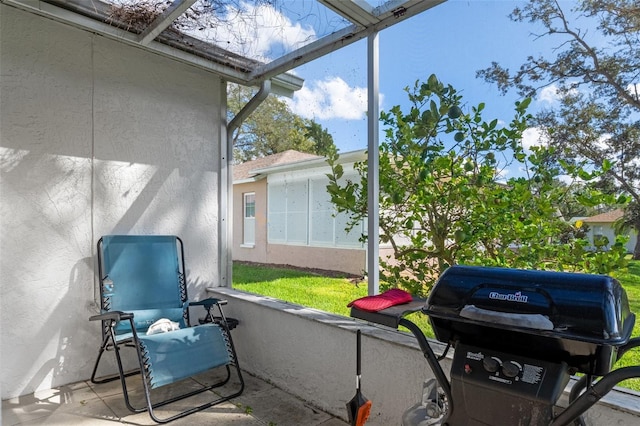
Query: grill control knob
{"points": [[509, 369], [490, 364]]}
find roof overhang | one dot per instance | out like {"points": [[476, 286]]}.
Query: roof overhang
{"points": [[345, 158], [249, 179], [94, 16]]}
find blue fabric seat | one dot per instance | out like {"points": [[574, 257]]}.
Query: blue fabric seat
{"points": [[142, 280]]}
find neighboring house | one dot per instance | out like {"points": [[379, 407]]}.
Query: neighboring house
{"points": [[602, 225], [283, 214]]}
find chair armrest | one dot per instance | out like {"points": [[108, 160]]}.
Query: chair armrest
{"points": [[208, 303], [113, 315]]}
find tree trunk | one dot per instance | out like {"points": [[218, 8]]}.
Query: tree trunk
{"points": [[636, 249]]}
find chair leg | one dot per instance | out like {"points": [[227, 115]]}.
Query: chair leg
{"points": [[108, 378], [185, 413], [151, 406], [121, 374], [103, 347]]}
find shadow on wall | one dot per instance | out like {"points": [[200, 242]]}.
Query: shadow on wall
{"points": [[63, 330], [50, 207]]}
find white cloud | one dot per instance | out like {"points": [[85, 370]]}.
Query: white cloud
{"points": [[256, 31], [501, 175], [634, 89], [532, 137], [603, 141], [330, 98], [549, 94], [569, 180]]}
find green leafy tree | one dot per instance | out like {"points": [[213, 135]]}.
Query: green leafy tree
{"points": [[569, 205], [322, 140], [595, 72], [270, 129], [443, 201]]}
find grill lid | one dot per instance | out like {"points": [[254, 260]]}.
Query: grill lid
{"points": [[584, 307]]}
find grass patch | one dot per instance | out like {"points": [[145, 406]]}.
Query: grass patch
{"points": [[333, 293], [314, 290], [630, 280]]}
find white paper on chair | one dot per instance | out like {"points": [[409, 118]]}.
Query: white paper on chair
{"points": [[163, 325]]}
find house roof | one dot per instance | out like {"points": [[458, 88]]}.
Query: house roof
{"points": [[249, 169], [608, 217], [288, 161]]}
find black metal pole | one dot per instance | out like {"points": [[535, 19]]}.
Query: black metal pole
{"points": [[594, 393], [441, 378]]}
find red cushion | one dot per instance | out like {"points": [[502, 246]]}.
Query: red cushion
{"points": [[385, 300]]}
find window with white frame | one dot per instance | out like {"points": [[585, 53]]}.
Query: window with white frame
{"points": [[300, 212], [326, 226], [320, 214], [249, 224], [297, 212]]}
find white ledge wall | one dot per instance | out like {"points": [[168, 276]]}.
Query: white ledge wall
{"points": [[312, 355], [95, 138]]}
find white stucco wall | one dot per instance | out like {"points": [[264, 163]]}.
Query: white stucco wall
{"points": [[311, 354], [95, 138]]}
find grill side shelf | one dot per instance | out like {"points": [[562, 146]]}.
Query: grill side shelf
{"points": [[389, 317]]}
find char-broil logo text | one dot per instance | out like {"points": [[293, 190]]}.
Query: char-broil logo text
{"points": [[513, 297]]}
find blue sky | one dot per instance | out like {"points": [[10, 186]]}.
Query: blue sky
{"points": [[452, 40]]}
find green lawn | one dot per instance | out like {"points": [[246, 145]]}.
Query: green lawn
{"points": [[630, 279], [301, 287], [333, 295]]}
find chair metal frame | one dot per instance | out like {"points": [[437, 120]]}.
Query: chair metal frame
{"points": [[110, 318]]}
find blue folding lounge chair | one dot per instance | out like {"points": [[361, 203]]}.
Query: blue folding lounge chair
{"points": [[142, 280]]}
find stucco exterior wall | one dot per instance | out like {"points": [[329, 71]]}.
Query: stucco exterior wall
{"points": [[257, 253], [352, 261], [96, 138], [312, 355]]}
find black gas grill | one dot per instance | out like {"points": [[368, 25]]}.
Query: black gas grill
{"points": [[578, 319], [518, 337]]}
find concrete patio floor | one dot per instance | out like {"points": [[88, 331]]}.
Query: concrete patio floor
{"points": [[84, 403]]}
